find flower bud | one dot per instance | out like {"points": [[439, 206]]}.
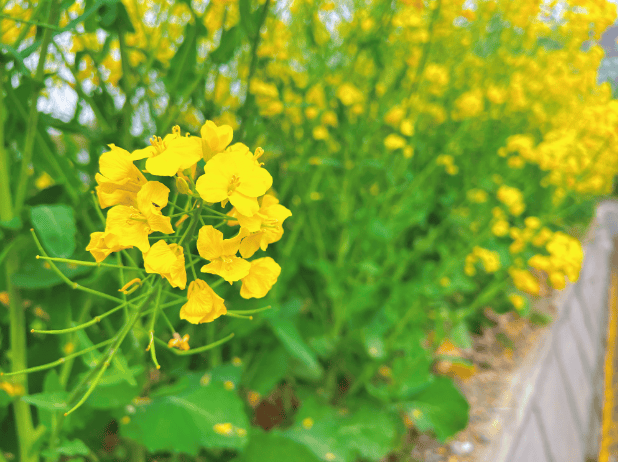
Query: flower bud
{"points": [[182, 186]]}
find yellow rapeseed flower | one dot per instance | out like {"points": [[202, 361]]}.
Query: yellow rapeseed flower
{"points": [[130, 226], [165, 157], [263, 228], [222, 254], [215, 139], [119, 179], [100, 249], [234, 176], [262, 276], [203, 304], [168, 260], [394, 141]]}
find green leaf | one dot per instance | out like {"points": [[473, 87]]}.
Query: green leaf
{"points": [[290, 338], [51, 384], [230, 40], [368, 432], [55, 226], [248, 20], [74, 447], [185, 422], [53, 401], [35, 274], [439, 407], [461, 336], [268, 370], [268, 447]]}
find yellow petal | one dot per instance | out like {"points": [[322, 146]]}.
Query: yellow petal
{"points": [[139, 154], [230, 268], [250, 244], [262, 276], [127, 227], [247, 206], [99, 248], [167, 260], [214, 139], [203, 304], [210, 243], [255, 183]]}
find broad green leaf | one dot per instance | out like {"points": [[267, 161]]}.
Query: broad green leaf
{"points": [[112, 396], [269, 447], [264, 373], [36, 274], [53, 401], [368, 432], [461, 336], [186, 421], [248, 20], [439, 407], [55, 226], [292, 341], [74, 447]]}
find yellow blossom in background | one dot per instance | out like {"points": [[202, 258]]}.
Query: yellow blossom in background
{"points": [[130, 226], [349, 94], [517, 301], [225, 429], [393, 142], [203, 304], [525, 281], [512, 198], [168, 260], [262, 276], [119, 179], [469, 104], [222, 255]]}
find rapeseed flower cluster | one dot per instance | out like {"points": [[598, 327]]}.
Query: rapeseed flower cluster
{"points": [[231, 174]]}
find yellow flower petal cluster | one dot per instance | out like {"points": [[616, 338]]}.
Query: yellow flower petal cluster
{"points": [[203, 304], [489, 259], [235, 176], [119, 179], [232, 173], [167, 156], [263, 228], [222, 255], [512, 198], [262, 276], [564, 259], [168, 260]]}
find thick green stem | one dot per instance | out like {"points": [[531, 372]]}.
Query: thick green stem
{"points": [[33, 118], [23, 417]]}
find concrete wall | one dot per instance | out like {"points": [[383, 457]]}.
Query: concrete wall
{"points": [[552, 409]]}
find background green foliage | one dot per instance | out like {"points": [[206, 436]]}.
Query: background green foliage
{"points": [[343, 363]]}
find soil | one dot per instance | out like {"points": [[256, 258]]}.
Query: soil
{"points": [[496, 355]]}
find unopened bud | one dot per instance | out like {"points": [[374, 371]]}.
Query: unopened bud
{"points": [[182, 186]]}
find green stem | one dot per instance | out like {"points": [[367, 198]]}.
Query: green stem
{"points": [[168, 322], [118, 339], [60, 361], [73, 285], [33, 118], [21, 409], [33, 23], [153, 319], [197, 350], [95, 320], [90, 263], [257, 310]]}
